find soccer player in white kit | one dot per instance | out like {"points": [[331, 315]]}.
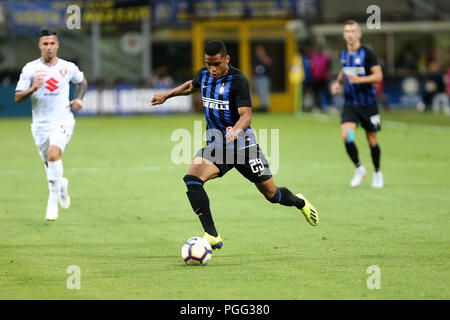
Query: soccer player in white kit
{"points": [[47, 81]]}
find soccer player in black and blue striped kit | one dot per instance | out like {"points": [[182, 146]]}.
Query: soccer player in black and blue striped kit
{"points": [[360, 70], [231, 142]]}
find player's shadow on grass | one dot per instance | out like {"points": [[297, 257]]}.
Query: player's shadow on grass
{"points": [[239, 259]]}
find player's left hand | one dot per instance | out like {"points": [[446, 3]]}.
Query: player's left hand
{"points": [[354, 78], [77, 104], [158, 98], [232, 133]]}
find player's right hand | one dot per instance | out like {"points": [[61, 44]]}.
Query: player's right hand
{"points": [[158, 98], [335, 88], [37, 83]]}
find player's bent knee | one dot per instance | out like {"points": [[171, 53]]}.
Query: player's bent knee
{"points": [[203, 169], [53, 154], [349, 136], [372, 139]]}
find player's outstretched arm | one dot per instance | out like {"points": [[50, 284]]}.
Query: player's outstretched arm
{"points": [[182, 90], [77, 103], [21, 96]]}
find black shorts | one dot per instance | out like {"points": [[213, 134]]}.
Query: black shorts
{"points": [[250, 161], [367, 116]]}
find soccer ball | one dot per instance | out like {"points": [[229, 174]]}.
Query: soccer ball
{"points": [[196, 250]]}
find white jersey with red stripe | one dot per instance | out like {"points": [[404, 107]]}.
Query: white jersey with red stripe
{"points": [[50, 102]]}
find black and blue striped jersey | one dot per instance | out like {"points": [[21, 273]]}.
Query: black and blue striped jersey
{"points": [[359, 63], [221, 99]]}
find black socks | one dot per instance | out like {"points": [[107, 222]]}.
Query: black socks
{"points": [[376, 153], [200, 203], [352, 151], [285, 197]]}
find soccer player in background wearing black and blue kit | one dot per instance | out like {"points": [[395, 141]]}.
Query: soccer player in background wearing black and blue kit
{"points": [[360, 70], [231, 142]]}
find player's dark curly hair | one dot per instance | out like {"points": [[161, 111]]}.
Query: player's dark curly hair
{"points": [[214, 47], [46, 32]]}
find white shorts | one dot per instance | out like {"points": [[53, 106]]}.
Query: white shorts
{"points": [[57, 134]]}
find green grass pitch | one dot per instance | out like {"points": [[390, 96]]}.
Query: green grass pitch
{"points": [[130, 215]]}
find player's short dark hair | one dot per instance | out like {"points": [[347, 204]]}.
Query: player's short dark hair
{"points": [[46, 32], [214, 47], [351, 22]]}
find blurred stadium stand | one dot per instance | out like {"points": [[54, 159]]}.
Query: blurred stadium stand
{"points": [[121, 43]]}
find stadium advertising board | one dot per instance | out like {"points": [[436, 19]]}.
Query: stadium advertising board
{"points": [[120, 100], [27, 14], [130, 100]]}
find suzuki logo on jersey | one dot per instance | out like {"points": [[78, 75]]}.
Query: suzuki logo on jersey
{"points": [[51, 84], [215, 104]]}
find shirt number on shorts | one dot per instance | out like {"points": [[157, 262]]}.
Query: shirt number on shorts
{"points": [[375, 119], [256, 165]]}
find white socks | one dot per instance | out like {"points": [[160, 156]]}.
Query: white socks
{"points": [[54, 175]]}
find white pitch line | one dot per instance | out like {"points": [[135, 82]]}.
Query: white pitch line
{"points": [[388, 123], [95, 170], [404, 125]]}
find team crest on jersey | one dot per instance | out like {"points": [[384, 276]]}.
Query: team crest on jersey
{"points": [[358, 60], [63, 71], [222, 88]]}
